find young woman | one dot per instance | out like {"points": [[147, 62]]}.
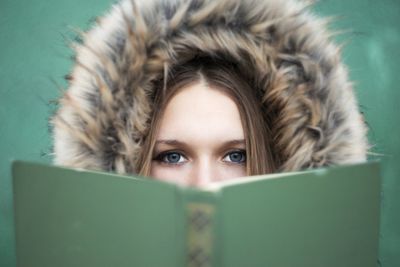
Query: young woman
{"points": [[208, 121], [198, 91]]}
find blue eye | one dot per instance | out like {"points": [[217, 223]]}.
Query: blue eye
{"points": [[171, 157], [236, 157]]}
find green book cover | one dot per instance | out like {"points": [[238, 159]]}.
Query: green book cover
{"points": [[325, 217]]}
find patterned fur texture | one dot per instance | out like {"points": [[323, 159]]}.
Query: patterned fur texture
{"points": [[104, 115]]}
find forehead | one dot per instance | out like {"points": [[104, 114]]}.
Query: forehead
{"points": [[200, 114]]}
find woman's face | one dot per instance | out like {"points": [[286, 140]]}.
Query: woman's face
{"points": [[200, 139]]}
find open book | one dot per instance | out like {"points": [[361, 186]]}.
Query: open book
{"points": [[324, 217]]}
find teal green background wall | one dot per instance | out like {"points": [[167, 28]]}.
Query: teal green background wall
{"points": [[34, 58]]}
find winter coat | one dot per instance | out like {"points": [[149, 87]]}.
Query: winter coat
{"points": [[103, 117]]}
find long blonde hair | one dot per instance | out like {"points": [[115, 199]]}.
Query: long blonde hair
{"points": [[223, 76]]}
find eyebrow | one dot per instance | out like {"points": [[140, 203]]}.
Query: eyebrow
{"points": [[175, 142]]}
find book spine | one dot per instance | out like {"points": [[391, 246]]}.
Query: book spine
{"points": [[200, 240]]}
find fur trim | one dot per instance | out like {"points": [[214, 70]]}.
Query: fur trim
{"points": [[104, 115]]}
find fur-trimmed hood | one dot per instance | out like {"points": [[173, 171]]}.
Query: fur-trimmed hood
{"points": [[104, 115]]}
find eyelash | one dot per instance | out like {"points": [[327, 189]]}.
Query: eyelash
{"points": [[161, 157], [242, 151]]}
